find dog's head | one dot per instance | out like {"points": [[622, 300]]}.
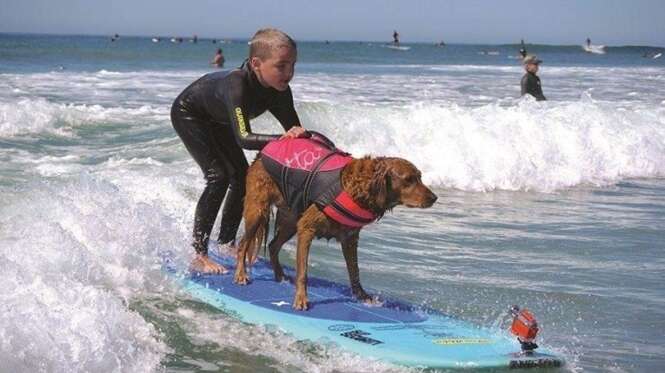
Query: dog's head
{"points": [[397, 181]]}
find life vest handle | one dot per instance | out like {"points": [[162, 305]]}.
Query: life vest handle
{"points": [[320, 138]]}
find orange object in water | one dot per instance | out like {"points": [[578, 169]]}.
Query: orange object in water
{"points": [[525, 326]]}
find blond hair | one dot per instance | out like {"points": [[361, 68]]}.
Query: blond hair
{"points": [[268, 39]]}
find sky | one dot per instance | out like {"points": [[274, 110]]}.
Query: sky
{"points": [[608, 22]]}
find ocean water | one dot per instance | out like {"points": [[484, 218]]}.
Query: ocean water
{"points": [[558, 206]]}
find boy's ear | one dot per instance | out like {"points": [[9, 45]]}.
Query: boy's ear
{"points": [[254, 62]]}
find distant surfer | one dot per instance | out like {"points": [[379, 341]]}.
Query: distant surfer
{"points": [[522, 49], [593, 48], [653, 55], [211, 117], [530, 81], [395, 37], [218, 59]]}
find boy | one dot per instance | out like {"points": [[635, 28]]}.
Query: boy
{"points": [[530, 81], [212, 115]]}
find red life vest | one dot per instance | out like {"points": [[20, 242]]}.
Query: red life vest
{"points": [[308, 170]]}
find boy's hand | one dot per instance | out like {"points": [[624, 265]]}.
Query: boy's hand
{"points": [[295, 131]]}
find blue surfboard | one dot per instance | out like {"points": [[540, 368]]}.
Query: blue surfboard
{"points": [[395, 331]]}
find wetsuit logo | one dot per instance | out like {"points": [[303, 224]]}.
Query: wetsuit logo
{"points": [[241, 122]]}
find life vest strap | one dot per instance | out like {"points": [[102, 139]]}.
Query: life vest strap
{"points": [[346, 211]]}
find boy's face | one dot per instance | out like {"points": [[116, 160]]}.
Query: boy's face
{"points": [[277, 70], [532, 68]]}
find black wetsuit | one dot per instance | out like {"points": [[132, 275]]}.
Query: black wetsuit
{"points": [[531, 85], [523, 49], [211, 116]]}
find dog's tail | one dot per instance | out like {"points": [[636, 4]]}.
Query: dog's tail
{"points": [[265, 235], [261, 235]]}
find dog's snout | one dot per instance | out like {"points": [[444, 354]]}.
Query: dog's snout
{"points": [[431, 198]]}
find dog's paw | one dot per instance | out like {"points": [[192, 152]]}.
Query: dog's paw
{"points": [[241, 278], [280, 276], [367, 299], [373, 301], [300, 302]]}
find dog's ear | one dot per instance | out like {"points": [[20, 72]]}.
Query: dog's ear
{"points": [[380, 187]]}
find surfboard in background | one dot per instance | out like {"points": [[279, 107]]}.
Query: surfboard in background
{"points": [[397, 47], [394, 331], [596, 49]]}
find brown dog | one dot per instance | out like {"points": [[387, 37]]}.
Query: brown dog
{"points": [[376, 184]]}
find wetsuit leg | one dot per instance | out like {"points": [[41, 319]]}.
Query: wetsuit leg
{"points": [[234, 202], [235, 198], [208, 143]]}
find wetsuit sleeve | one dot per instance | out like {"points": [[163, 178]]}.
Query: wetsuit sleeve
{"points": [[284, 111], [524, 84], [232, 95]]}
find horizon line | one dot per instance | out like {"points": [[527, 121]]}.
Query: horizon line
{"points": [[240, 39]]}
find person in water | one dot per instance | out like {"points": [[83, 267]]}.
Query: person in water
{"points": [[395, 37], [218, 59], [523, 49], [530, 81], [588, 42], [212, 116]]}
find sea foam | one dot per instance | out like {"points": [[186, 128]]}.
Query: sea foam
{"points": [[72, 259], [463, 130], [529, 146]]}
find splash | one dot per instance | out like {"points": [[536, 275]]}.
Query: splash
{"points": [[71, 259], [29, 116]]}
